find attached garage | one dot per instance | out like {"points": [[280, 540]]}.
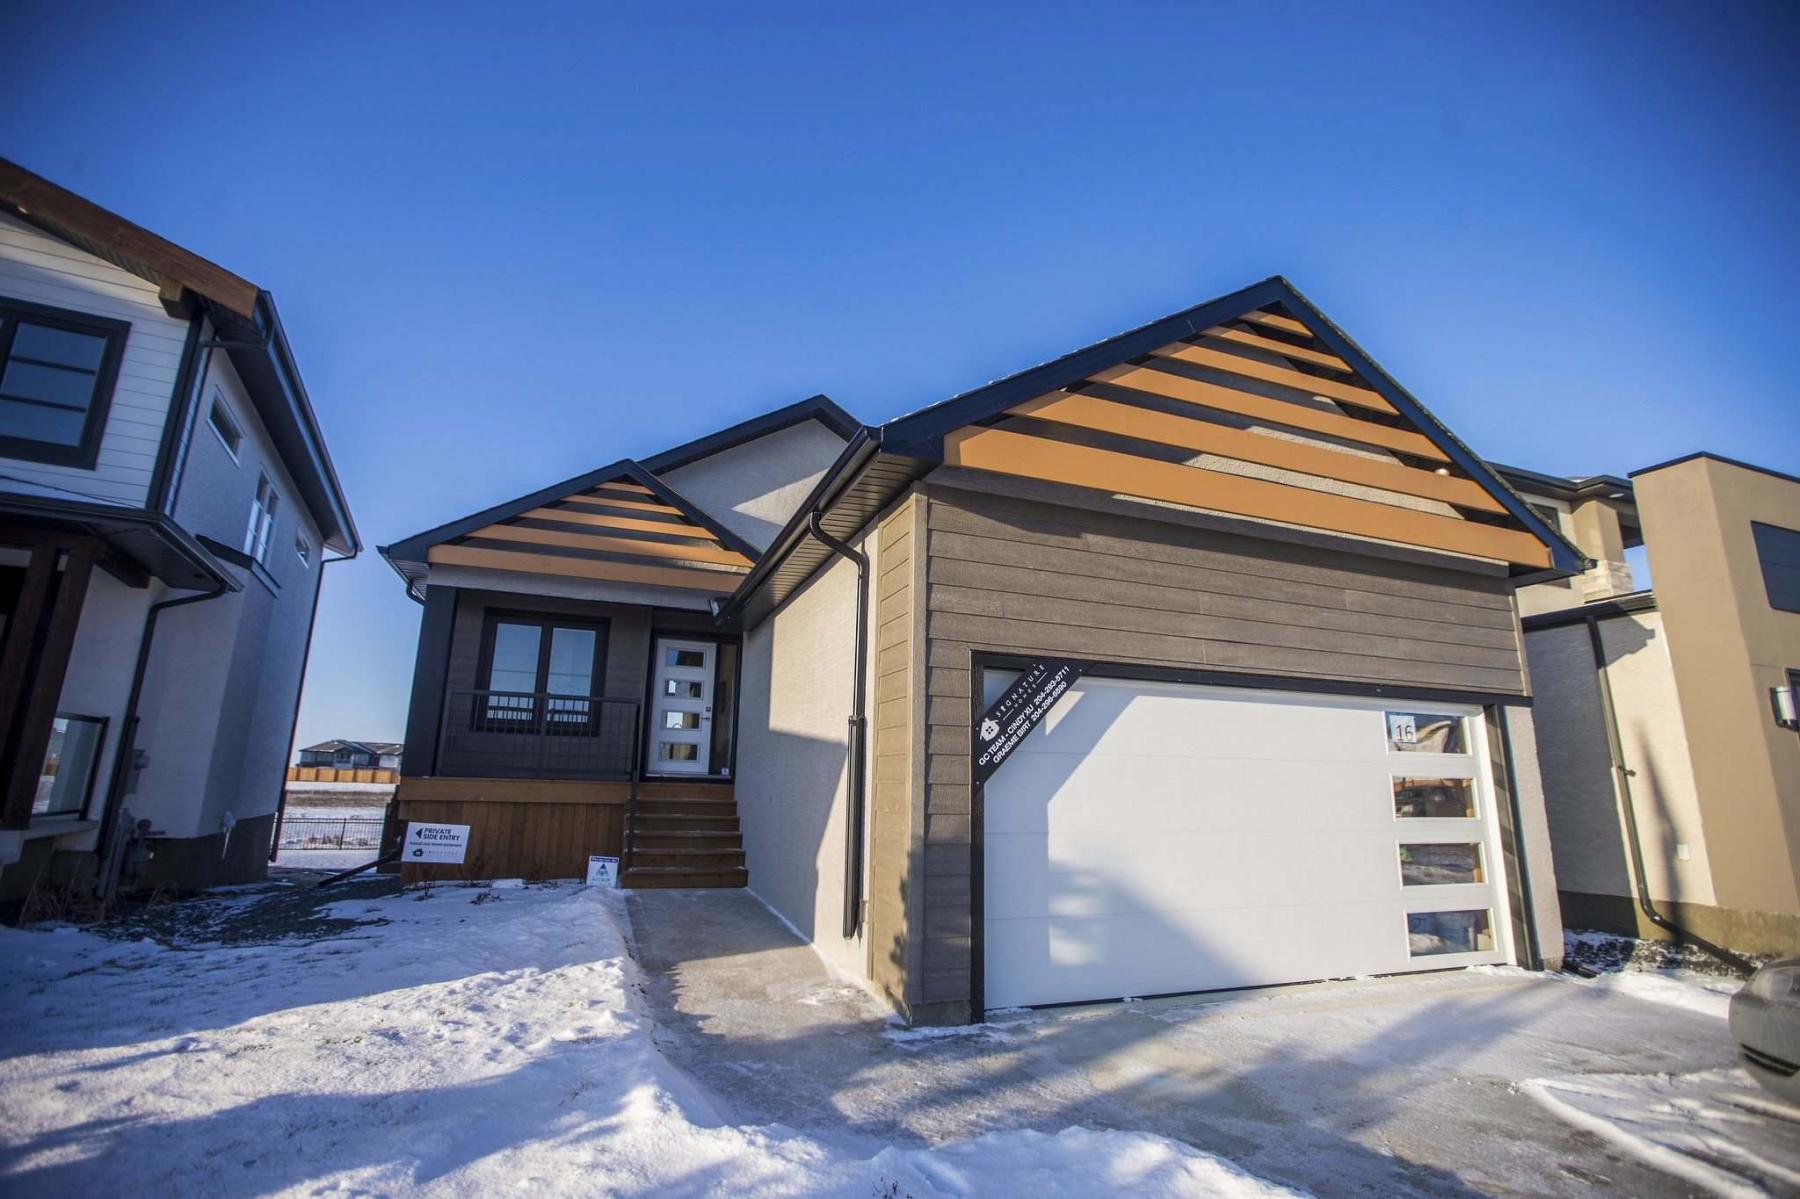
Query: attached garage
{"points": [[1151, 838]]}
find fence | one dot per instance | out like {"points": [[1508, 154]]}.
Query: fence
{"points": [[337, 774], [329, 832], [536, 735]]}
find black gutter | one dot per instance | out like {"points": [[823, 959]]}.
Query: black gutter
{"points": [[1622, 773], [299, 694], [853, 825], [115, 790]]}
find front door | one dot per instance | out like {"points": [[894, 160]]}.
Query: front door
{"points": [[681, 707]]}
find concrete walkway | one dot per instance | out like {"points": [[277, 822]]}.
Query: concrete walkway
{"points": [[1389, 1087]]}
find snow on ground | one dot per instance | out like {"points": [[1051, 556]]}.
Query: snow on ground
{"points": [[1714, 1128], [448, 1041]]}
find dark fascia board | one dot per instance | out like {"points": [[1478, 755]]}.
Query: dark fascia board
{"points": [[1624, 605], [1567, 490], [265, 361], [1719, 458], [118, 524], [819, 407], [410, 552], [921, 434]]}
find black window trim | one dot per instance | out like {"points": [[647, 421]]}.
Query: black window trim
{"points": [[87, 795], [86, 452], [495, 617]]}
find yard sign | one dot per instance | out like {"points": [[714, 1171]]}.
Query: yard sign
{"points": [[435, 843]]}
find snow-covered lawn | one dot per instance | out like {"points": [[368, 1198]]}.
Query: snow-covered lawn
{"points": [[455, 1041]]}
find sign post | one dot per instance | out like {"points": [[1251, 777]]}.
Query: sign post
{"points": [[1021, 708], [440, 843]]}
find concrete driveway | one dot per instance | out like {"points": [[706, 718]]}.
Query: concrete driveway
{"points": [[1385, 1087]]}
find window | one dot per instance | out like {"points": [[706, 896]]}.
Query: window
{"points": [[302, 550], [230, 436], [686, 657], [1425, 732], [526, 658], [67, 775], [1547, 514], [1439, 865], [1778, 552], [262, 519], [1434, 799], [682, 688], [1432, 933], [57, 370], [673, 751]]}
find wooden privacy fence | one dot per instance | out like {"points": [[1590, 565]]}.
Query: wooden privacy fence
{"points": [[335, 774]]}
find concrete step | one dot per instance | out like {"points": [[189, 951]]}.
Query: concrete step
{"points": [[685, 824], [668, 876], [688, 859], [714, 841]]}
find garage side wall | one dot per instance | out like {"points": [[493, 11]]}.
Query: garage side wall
{"points": [[1015, 576], [793, 753]]}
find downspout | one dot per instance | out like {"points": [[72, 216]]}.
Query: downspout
{"points": [[853, 826], [1622, 774], [299, 693]]}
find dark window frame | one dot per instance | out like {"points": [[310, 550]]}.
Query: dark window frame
{"points": [[530, 719], [1763, 534], [86, 450], [104, 724]]}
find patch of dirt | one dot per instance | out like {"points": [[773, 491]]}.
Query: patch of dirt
{"points": [[281, 910], [1605, 953]]}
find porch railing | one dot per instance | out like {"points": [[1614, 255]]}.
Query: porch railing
{"points": [[539, 735]]}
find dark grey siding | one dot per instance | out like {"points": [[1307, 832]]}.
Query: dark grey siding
{"points": [[1009, 575]]}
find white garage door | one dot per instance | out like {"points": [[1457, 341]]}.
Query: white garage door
{"points": [[1155, 838]]}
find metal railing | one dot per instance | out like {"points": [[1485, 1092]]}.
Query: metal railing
{"points": [[330, 832], [539, 735]]}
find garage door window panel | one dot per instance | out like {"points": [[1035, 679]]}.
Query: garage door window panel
{"points": [[1427, 733], [1434, 798], [1435, 864], [1441, 934]]}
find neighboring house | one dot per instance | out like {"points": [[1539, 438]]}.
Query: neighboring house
{"points": [[166, 503], [1672, 685], [353, 755], [766, 658]]}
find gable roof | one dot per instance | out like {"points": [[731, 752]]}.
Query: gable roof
{"points": [[818, 407], [1199, 382], [619, 522], [377, 748]]}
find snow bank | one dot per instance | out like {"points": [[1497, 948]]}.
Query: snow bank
{"points": [[458, 1042], [1714, 1128]]}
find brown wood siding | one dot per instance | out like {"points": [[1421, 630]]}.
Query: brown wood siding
{"points": [[898, 750], [1009, 575], [527, 828]]}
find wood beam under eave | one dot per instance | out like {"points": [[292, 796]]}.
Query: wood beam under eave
{"points": [[1181, 432], [719, 581], [1008, 453]]}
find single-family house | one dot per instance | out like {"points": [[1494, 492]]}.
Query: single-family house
{"points": [[1188, 660], [167, 505], [1665, 729]]}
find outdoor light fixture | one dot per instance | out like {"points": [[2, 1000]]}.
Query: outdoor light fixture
{"points": [[1787, 711]]}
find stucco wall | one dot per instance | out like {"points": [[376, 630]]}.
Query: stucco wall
{"points": [[753, 489], [1533, 835], [98, 681], [793, 756]]}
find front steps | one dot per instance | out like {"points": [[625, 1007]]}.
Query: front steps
{"points": [[686, 842]]}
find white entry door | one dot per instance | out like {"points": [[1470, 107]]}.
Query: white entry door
{"points": [[681, 707], [1153, 838]]}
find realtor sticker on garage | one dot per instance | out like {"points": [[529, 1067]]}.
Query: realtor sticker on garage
{"points": [[436, 843]]}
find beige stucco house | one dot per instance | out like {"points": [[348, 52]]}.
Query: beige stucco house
{"points": [[1673, 788]]}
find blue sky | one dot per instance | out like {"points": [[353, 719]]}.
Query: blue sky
{"points": [[514, 243]]}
